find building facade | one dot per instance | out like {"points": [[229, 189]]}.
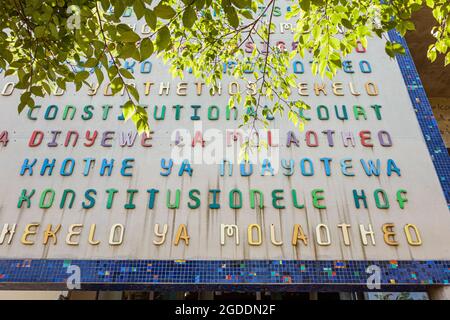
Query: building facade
{"points": [[356, 202]]}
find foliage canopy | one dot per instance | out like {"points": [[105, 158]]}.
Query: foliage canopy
{"points": [[44, 42]]}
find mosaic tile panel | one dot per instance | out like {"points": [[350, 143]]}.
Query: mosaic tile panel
{"points": [[222, 272]]}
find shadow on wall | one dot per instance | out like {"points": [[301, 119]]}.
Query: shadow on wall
{"points": [[435, 77]]}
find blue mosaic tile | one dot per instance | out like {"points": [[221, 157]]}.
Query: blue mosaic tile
{"points": [[300, 272], [425, 116]]}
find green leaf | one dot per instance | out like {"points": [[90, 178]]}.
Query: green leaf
{"points": [[242, 4], [199, 4], [432, 54], [246, 13], [128, 51], [128, 110], [100, 75], [10, 71], [119, 8], [305, 5], [116, 85], [133, 91], [346, 23], [25, 96], [25, 100], [53, 30], [81, 76], [164, 11], [39, 31], [146, 48], [105, 5], [125, 73], [447, 59], [232, 16], [61, 83], [112, 72], [150, 18], [139, 8], [162, 39], [393, 48], [189, 17], [130, 36], [90, 63], [37, 91]]}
